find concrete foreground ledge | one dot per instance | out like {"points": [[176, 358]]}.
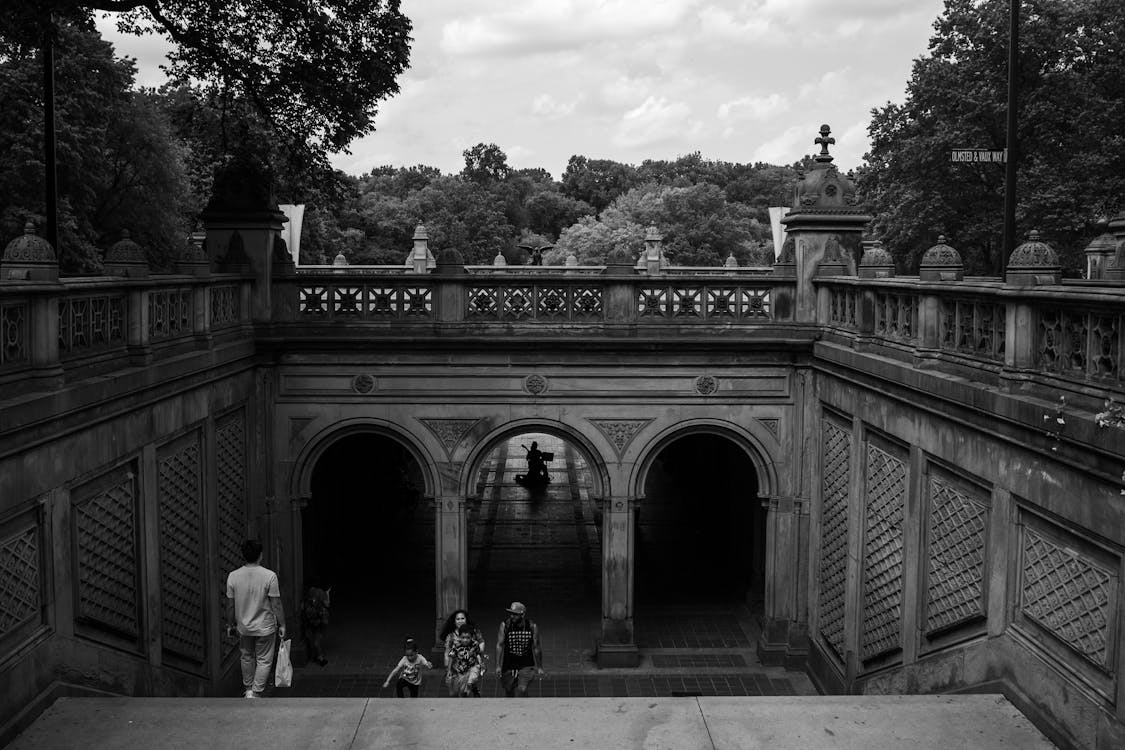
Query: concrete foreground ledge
{"points": [[936, 722]]}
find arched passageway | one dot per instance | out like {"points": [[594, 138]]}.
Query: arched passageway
{"points": [[368, 532], [537, 544], [700, 527]]}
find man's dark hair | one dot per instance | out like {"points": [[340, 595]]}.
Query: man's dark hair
{"points": [[251, 550]]}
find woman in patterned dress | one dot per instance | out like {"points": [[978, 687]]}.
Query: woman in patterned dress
{"points": [[464, 655]]}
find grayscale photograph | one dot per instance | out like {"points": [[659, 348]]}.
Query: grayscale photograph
{"points": [[713, 374]]}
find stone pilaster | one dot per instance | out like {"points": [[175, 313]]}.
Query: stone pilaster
{"points": [[452, 551], [784, 637], [618, 645]]}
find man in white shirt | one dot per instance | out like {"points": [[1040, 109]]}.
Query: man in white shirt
{"points": [[254, 609]]}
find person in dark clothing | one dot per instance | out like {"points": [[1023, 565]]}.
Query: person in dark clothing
{"points": [[314, 622], [536, 465], [519, 654]]}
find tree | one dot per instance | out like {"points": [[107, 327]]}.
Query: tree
{"points": [[1072, 101], [120, 165], [597, 182], [485, 163]]}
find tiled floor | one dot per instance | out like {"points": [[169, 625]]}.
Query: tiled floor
{"points": [[543, 548]]}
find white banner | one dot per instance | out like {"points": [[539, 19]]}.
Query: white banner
{"points": [[776, 213], [291, 232]]}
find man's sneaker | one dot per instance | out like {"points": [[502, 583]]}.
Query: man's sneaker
{"points": [[249, 694]]}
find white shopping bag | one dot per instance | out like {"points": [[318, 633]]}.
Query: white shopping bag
{"points": [[283, 675]]}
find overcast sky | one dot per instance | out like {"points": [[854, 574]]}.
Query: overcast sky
{"points": [[628, 80]]}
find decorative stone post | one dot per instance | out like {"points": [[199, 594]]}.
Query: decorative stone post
{"points": [[620, 300], [1032, 263], [653, 259], [1115, 268], [824, 212], [242, 220], [449, 286], [452, 551], [618, 646], [30, 258], [940, 263]]}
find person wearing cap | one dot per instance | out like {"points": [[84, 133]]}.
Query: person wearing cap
{"points": [[519, 654], [408, 670]]}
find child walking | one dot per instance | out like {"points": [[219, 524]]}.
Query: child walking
{"points": [[408, 670]]}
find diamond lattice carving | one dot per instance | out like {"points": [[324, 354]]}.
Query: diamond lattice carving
{"points": [[1076, 335], [1050, 339], [19, 579], [687, 302], [958, 526], [417, 301], [484, 301], [230, 464], [105, 528], [882, 564], [346, 300], [1068, 594], [181, 567], [587, 302], [837, 448], [518, 302], [721, 303], [552, 302]]}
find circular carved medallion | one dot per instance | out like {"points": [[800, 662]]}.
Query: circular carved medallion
{"points": [[706, 385], [363, 383], [535, 384]]}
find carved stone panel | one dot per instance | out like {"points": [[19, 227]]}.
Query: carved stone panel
{"points": [[620, 432], [773, 425], [958, 527], [836, 449], [1068, 593], [449, 432], [885, 493], [181, 560], [20, 582], [105, 530]]}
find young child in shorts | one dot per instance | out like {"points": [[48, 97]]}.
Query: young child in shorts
{"points": [[408, 670]]}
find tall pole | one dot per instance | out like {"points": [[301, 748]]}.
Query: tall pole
{"points": [[51, 231], [1012, 155]]}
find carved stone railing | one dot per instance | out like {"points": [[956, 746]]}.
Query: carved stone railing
{"points": [[1070, 331], [53, 332], [534, 294]]}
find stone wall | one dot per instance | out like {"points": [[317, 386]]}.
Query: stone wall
{"points": [[122, 504], [960, 546]]}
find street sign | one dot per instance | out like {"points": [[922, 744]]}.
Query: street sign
{"points": [[978, 155]]}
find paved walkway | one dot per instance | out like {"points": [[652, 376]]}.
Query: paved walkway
{"points": [[544, 548], [966, 722]]}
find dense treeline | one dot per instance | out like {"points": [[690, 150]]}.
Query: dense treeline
{"points": [[143, 159]]}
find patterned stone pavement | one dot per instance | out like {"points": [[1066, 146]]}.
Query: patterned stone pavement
{"points": [[543, 548]]}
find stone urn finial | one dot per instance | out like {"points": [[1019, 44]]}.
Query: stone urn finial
{"points": [[126, 258], [29, 257], [1034, 262]]}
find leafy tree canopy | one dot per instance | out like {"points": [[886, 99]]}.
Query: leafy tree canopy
{"points": [[1072, 101], [314, 71]]}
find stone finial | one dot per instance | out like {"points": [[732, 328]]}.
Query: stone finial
{"points": [[126, 258], [421, 259], [572, 260], [653, 258], [941, 263], [450, 261], [499, 260], [340, 260], [731, 261], [29, 257], [1115, 265], [824, 140], [1033, 262], [876, 262], [193, 257]]}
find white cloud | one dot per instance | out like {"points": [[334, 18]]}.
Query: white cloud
{"points": [[753, 107], [654, 121], [548, 107]]}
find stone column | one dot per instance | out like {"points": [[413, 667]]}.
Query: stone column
{"points": [[784, 636], [452, 551], [618, 646]]}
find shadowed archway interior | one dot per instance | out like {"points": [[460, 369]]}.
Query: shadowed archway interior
{"points": [[368, 530], [700, 527]]}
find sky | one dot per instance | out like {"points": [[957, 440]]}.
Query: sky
{"points": [[629, 80]]}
